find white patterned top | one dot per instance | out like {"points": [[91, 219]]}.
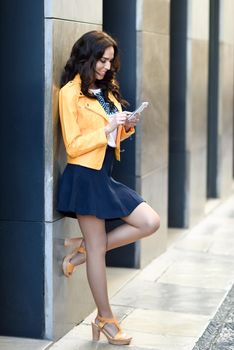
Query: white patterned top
{"points": [[110, 110]]}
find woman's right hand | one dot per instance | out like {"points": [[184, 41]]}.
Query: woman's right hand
{"points": [[115, 120]]}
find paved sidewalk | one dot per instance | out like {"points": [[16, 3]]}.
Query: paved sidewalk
{"points": [[171, 304]]}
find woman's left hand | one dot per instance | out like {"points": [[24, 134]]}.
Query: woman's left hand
{"points": [[132, 123]]}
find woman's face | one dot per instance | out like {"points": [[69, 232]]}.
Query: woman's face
{"points": [[104, 63]]}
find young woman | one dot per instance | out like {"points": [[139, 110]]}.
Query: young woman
{"points": [[93, 125]]}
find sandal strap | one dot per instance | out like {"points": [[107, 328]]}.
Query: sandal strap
{"points": [[81, 250], [103, 321]]}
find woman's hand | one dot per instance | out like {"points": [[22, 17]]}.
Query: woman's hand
{"points": [[115, 120], [132, 122]]}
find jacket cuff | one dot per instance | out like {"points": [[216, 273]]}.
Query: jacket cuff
{"points": [[125, 134]]}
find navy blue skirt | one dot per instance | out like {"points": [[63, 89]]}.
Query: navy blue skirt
{"points": [[86, 191]]}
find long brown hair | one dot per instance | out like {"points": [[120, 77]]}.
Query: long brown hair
{"points": [[83, 58]]}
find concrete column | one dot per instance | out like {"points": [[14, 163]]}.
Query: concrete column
{"points": [[153, 17], [65, 304], [196, 109], [225, 115]]}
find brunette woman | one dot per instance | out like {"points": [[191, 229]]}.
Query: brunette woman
{"points": [[93, 125]]}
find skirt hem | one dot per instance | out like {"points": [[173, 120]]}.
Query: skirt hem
{"points": [[73, 214]]}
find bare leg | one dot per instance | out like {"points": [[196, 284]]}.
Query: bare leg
{"points": [[142, 222], [95, 245]]}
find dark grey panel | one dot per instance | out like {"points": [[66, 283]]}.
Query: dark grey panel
{"points": [[177, 188], [177, 114], [22, 168], [213, 100], [22, 104], [22, 279]]}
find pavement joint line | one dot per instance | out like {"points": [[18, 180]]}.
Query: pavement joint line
{"points": [[158, 278]]}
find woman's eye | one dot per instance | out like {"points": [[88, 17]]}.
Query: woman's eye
{"points": [[103, 61]]}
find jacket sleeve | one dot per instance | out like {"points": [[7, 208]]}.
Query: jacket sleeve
{"points": [[125, 134], [77, 144]]}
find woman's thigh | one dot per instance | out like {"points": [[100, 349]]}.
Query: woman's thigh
{"points": [[144, 217]]}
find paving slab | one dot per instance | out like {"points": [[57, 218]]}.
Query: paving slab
{"points": [[157, 267], [162, 342], [169, 297], [195, 243], [222, 247], [165, 323], [200, 275], [13, 343]]}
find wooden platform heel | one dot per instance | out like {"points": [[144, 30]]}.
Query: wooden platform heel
{"points": [[121, 338]]}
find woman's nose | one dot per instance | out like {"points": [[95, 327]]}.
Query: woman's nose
{"points": [[107, 65]]}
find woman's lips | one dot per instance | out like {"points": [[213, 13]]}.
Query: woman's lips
{"points": [[101, 74]]}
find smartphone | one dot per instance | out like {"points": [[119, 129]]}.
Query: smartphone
{"points": [[138, 110]]}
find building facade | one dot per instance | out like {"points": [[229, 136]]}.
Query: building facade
{"points": [[178, 55]]}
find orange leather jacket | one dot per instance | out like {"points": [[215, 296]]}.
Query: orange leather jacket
{"points": [[83, 120]]}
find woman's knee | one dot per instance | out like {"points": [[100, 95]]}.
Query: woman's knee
{"points": [[96, 247], [151, 224], [94, 233]]}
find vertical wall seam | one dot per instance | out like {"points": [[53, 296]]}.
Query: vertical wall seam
{"points": [[48, 177]]}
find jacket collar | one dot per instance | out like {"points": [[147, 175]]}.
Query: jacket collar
{"points": [[95, 105]]}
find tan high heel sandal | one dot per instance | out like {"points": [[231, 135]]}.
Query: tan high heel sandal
{"points": [[120, 338], [68, 267]]}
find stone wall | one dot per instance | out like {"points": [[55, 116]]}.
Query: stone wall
{"points": [[65, 304]]}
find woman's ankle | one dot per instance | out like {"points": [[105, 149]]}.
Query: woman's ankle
{"points": [[105, 314]]}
